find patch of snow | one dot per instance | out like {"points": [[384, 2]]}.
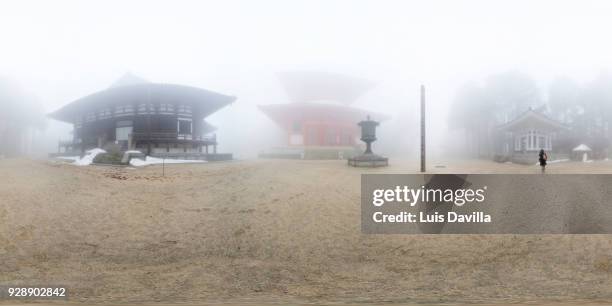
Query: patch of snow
{"points": [[137, 162], [558, 161], [89, 157], [133, 152]]}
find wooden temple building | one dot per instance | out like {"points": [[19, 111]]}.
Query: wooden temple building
{"points": [[520, 139], [319, 122], [162, 120]]}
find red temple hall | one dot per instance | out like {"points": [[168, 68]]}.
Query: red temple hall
{"points": [[319, 114]]}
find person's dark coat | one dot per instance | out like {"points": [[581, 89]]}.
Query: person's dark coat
{"points": [[543, 158]]}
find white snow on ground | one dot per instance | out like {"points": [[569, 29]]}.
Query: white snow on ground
{"points": [[133, 152], [557, 161], [137, 162], [72, 158], [86, 160], [89, 157], [554, 161]]}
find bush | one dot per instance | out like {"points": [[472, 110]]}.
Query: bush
{"points": [[112, 148], [109, 158]]}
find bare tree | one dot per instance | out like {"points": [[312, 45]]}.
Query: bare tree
{"points": [[20, 114], [479, 109]]}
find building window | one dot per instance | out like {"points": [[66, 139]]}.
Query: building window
{"points": [[532, 140], [166, 108], [542, 142], [105, 113], [91, 116], [124, 110], [146, 108], [123, 133], [184, 109], [184, 126]]}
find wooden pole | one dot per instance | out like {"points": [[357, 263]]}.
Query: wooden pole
{"points": [[423, 128]]}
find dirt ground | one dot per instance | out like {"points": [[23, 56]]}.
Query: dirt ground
{"points": [[269, 231]]}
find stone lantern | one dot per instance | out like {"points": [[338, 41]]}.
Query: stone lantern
{"points": [[368, 135]]}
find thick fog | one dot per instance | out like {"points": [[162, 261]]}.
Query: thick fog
{"points": [[472, 56]]}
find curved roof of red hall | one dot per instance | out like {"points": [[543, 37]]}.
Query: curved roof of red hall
{"points": [[130, 90], [311, 86], [318, 112]]}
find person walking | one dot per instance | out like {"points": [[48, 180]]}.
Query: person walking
{"points": [[542, 158]]}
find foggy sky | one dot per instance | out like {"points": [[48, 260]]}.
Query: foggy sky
{"points": [[63, 50]]}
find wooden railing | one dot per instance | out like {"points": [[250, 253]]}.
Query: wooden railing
{"points": [[67, 143], [171, 136]]}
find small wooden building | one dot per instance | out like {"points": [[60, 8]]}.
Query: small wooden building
{"points": [[521, 139], [157, 119]]}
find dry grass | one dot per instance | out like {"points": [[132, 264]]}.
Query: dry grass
{"points": [[267, 231]]}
